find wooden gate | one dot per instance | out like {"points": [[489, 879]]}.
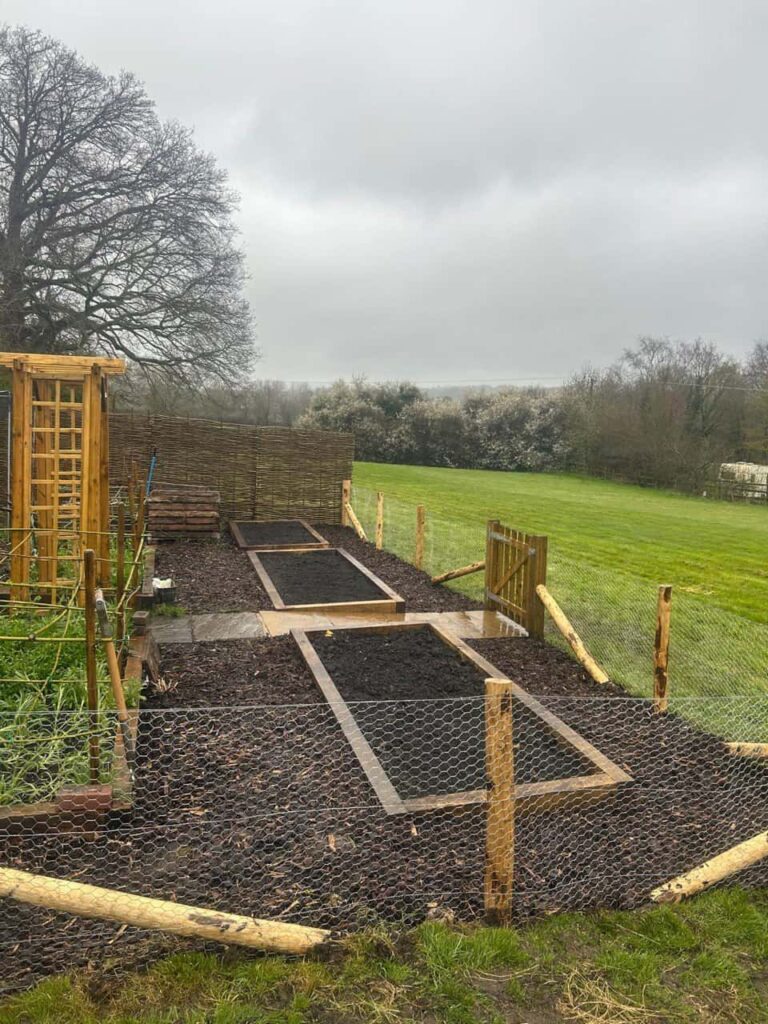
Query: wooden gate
{"points": [[515, 564]]}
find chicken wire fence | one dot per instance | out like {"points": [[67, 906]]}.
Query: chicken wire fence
{"points": [[713, 651], [267, 811]]}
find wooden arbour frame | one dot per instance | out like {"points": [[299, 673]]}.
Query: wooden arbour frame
{"points": [[59, 467]]}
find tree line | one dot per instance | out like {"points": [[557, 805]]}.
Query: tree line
{"points": [[665, 414]]}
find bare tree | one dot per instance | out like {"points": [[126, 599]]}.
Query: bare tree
{"points": [[116, 232]]}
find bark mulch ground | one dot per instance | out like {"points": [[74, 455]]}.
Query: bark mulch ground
{"points": [[216, 576], [211, 576], [248, 798]]}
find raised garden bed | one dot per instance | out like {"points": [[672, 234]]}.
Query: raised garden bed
{"points": [[420, 756], [276, 534], [325, 580]]}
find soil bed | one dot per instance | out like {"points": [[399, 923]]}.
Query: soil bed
{"points": [[281, 533], [413, 585], [248, 798], [429, 748], [318, 577]]}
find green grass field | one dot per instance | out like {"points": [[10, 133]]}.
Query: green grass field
{"points": [[709, 547], [610, 545], [702, 962]]}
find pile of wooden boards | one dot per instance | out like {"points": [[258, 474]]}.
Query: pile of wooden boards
{"points": [[182, 512]]}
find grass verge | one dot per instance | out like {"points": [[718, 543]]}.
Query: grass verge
{"points": [[704, 961]]}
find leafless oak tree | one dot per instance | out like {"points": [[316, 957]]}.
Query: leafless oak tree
{"points": [[116, 232]]}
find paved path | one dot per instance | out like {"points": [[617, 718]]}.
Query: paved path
{"points": [[472, 625]]}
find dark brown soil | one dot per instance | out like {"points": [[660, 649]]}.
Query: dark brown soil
{"points": [[318, 577], [249, 799], [427, 748], [284, 532], [411, 584], [211, 576], [216, 576]]}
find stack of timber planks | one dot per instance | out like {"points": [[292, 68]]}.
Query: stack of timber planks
{"points": [[182, 512]]}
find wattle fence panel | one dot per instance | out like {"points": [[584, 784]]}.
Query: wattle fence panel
{"points": [[260, 472]]}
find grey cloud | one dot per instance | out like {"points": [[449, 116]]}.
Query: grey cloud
{"points": [[427, 184]]}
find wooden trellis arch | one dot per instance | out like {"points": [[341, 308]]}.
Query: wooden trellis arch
{"points": [[515, 564], [59, 468]]}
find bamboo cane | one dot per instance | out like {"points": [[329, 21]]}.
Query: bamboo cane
{"points": [[92, 690], [144, 912], [575, 642], [725, 864], [120, 572], [114, 675]]}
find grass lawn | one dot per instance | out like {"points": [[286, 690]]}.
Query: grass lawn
{"points": [[610, 545], [704, 961], [716, 548]]}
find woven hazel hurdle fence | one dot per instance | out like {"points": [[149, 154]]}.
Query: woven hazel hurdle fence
{"points": [[260, 472]]}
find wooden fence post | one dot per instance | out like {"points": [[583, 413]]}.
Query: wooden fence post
{"points": [[421, 516], [661, 649], [89, 573], [500, 808], [346, 494], [379, 520]]}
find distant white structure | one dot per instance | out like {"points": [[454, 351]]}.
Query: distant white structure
{"points": [[747, 479]]}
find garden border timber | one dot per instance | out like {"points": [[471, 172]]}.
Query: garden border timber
{"points": [[313, 545], [390, 603], [528, 795]]}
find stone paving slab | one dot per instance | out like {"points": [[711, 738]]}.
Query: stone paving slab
{"points": [[206, 628], [471, 625], [171, 631], [227, 626]]}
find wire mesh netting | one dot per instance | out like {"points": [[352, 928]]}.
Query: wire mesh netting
{"points": [[285, 807], [713, 650], [267, 811]]}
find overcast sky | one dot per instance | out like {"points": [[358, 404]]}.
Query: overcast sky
{"points": [[450, 191]]}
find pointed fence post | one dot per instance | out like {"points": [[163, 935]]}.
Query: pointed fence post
{"points": [[661, 649], [421, 518], [379, 520], [500, 807]]}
